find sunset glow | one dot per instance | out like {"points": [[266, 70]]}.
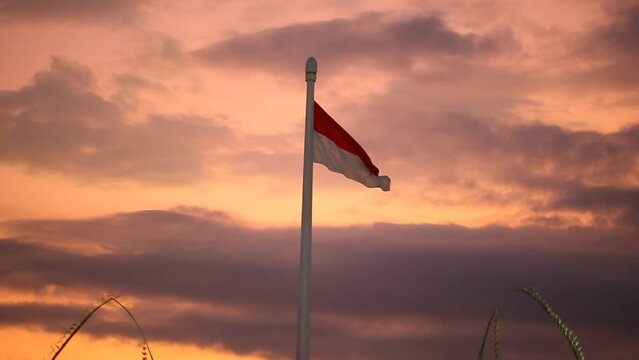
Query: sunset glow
{"points": [[153, 149]]}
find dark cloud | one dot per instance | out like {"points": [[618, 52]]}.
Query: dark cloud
{"points": [[611, 204], [382, 291], [129, 81], [546, 150], [615, 48], [75, 10], [617, 37], [366, 39], [490, 160], [51, 315], [59, 123]]}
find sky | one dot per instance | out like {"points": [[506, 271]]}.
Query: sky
{"points": [[153, 149]]}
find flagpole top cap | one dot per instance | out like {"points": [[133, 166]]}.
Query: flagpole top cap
{"points": [[311, 65]]}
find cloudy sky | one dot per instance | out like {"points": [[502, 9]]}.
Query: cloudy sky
{"points": [[153, 149]]}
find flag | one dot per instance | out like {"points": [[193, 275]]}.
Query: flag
{"points": [[339, 152]]}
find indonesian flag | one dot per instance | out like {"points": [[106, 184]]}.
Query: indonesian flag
{"points": [[339, 152]]}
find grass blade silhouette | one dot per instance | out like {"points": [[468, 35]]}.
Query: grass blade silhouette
{"points": [[75, 327], [565, 330], [480, 356]]}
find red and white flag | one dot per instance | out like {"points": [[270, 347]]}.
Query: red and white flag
{"points": [[339, 152]]}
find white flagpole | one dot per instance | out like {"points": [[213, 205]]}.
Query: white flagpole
{"points": [[304, 315]]}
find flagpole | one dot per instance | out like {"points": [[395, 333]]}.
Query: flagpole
{"points": [[304, 316]]}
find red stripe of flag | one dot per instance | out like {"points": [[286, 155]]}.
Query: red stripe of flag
{"points": [[325, 125]]}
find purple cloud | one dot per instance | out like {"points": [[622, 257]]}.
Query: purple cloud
{"points": [[366, 39], [74, 10], [59, 123], [382, 291]]}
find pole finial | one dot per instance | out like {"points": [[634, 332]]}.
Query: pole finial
{"points": [[311, 65], [311, 69]]}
